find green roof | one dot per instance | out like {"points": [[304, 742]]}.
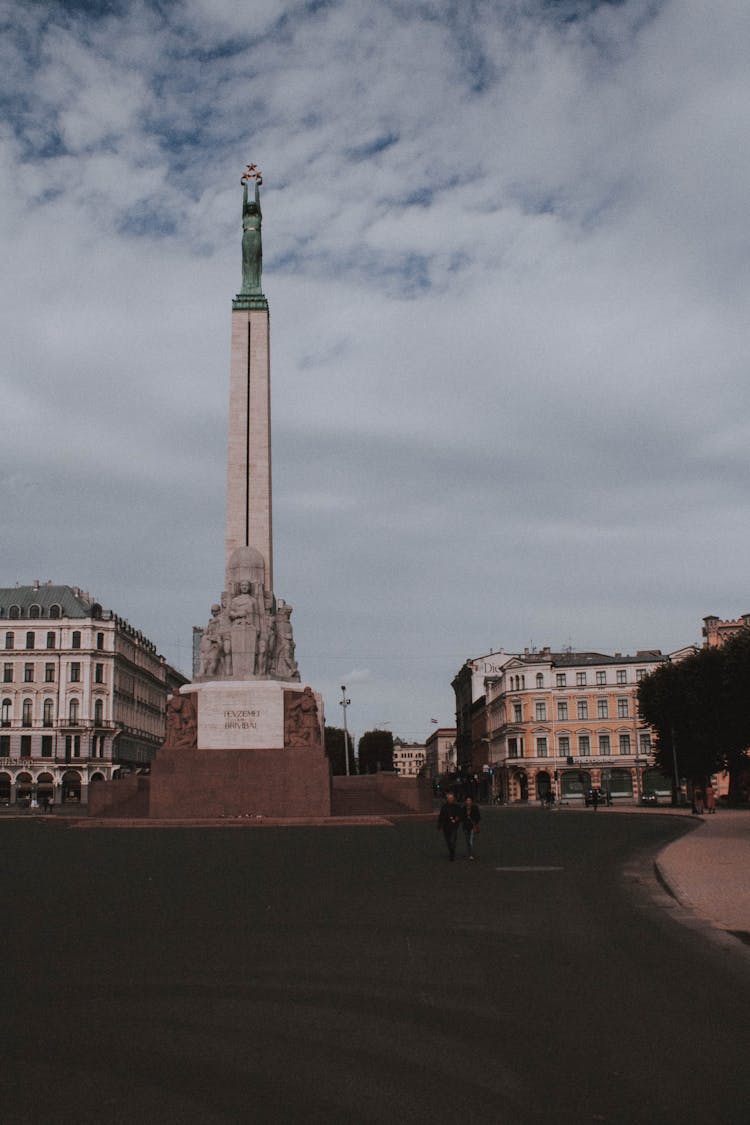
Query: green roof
{"points": [[69, 600]]}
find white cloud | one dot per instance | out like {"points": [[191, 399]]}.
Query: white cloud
{"points": [[507, 262]]}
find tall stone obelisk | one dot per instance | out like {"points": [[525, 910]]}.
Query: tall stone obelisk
{"points": [[249, 503]]}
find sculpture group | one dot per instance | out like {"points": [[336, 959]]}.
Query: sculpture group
{"points": [[249, 635]]}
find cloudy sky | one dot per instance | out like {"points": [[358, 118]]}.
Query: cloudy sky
{"points": [[506, 251]]}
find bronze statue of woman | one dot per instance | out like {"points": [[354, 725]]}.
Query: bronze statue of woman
{"points": [[252, 249]]}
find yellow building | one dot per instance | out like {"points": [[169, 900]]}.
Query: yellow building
{"points": [[569, 722]]}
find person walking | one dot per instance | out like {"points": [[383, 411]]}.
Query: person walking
{"points": [[710, 799], [449, 819], [698, 801], [470, 823]]}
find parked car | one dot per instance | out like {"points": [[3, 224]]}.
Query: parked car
{"points": [[649, 799], [602, 795]]}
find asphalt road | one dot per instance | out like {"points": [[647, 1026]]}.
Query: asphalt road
{"points": [[355, 975]]}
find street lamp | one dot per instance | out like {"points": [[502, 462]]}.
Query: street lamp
{"points": [[344, 704]]}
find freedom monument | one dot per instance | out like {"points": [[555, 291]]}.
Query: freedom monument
{"points": [[246, 736]]}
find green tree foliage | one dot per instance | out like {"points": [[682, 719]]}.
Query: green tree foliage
{"points": [[700, 707], [334, 743], [375, 751]]}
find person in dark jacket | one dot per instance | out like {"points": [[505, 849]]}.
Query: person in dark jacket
{"points": [[470, 823], [449, 819]]}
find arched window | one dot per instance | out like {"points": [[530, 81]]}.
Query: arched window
{"points": [[48, 713], [99, 712], [54, 611], [26, 715], [6, 712], [14, 612], [73, 712], [35, 611]]}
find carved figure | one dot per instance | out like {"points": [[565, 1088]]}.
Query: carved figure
{"points": [[245, 627], [302, 725], [285, 666], [182, 723], [226, 636], [211, 646], [252, 248]]}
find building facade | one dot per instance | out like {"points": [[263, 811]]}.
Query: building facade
{"points": [[568, 722], [408, 757], [716, 632], [440, 752], [83, 695], [469, 689]]}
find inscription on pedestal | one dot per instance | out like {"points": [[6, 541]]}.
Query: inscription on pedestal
{"points": [[235, 718]]}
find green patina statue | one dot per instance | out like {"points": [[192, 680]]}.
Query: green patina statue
{"points": [[252, 247]]}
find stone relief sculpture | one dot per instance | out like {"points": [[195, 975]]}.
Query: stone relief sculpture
{"points": [[249, 635], [301, 720], [182, 723]]}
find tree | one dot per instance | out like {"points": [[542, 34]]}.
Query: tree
{"points": [[375, 751], [334, 744], [700, 711]]}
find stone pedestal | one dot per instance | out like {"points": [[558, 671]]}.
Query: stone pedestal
{"points": [[235, 748]]}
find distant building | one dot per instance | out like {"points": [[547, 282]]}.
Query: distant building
{"points": [[468, 686], [717, 632], [408, 757], [569, 722], [83, 694], [440, 752]]}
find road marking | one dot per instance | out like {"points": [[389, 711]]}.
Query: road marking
{"points": [[529, 869]]}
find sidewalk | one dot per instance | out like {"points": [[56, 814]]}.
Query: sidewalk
{"points": [[708, 870]]}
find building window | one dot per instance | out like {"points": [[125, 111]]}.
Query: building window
{"points": [[623, 709], [539, 679], [14, 612], [99, 712], [602, 708], [562, 709], [541, 747], [10, 640], [604, 749], [622, 676], [47, 713], [50, 640], [54, 612], [25, 745], [624, 743], [584, 745], [6, 712], [75, 673], [645, 743], [561, 679], [540, 711], [49, 673], [76, 745], [28, 673], [73, 712], [581, 679], [26, 713], [512, 747], [582, 708], [640, 674], [30, 640], [564, 743], [7, 673], [100, 641], [98, 673], [76, 640], [4, 745], [46, 745], [517, 713], [601, 679], [35, 611]]}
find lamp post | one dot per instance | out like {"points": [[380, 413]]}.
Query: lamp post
{"points": [[344, 704]]}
